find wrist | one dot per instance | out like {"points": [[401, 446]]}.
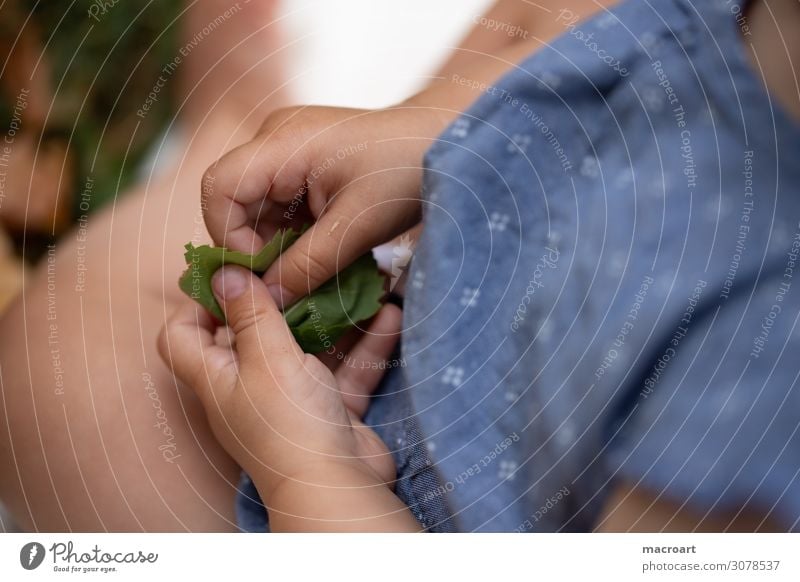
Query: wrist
{"points": [[436, 106], [335, 496], [319, 474]]}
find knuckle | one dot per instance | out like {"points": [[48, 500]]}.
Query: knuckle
{"points": [[209, 176], [281, 118], [362, 228], [207, 186], [305, 269], [168, 330], [247, 314], [162, 342]]}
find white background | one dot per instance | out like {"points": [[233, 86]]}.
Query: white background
{"points": [[411, 558], [371, 53]]}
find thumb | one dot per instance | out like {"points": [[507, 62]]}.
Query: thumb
{"points": [[251, 313]]}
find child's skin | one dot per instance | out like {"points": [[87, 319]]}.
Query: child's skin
{"points": [[88, 458], [289, 421], [112, 476], [121, 447], [312, 462], [282, 417]]}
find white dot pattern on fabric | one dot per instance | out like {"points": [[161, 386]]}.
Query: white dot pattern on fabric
{"points": [[618, 262], [649, 41], [723, 6], [519, 143], [469, 297], [461, 128], [453, 376], [498, 221], [418, 281], [589, 167], [606, 21], [506, 470], [546, 331], [565, 436], [548, 80]]}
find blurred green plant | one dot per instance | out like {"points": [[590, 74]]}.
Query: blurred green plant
{"points": [[102, 70]]}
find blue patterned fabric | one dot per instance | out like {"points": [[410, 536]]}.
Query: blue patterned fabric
{"points": [[603, 290]]}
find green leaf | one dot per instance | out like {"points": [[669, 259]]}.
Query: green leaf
{"points": [[204, 261], [317, 321]]}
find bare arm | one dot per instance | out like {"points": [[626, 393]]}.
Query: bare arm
{"points": [[635, 509], [340, 498], [510, 31]]}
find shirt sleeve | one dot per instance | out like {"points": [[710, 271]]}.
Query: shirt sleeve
{"points": [[714, 420]]}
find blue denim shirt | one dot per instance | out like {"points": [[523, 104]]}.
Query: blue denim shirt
{"points": [[604, 288]]}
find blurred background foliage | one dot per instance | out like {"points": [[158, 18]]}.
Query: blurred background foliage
{"points": [[93, 65]]}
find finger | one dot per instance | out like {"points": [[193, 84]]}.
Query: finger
{"points": [[333, 358], [366, 364], [349, 227], [274, 217], [187, 346], [263, 340], [270, 167], [374, 452]]}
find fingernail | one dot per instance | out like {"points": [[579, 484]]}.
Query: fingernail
{"points": [[229, 283], [279, 294]]}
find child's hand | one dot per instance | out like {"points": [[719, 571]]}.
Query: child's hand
{"points": [[356, 173], [280, 413]]}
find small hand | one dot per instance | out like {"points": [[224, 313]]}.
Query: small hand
{"points": [[353, 174], [280, 413]]}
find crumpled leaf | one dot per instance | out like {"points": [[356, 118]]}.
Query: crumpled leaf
{"points": [[205, 260], [316, 321], [319, 320]]}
